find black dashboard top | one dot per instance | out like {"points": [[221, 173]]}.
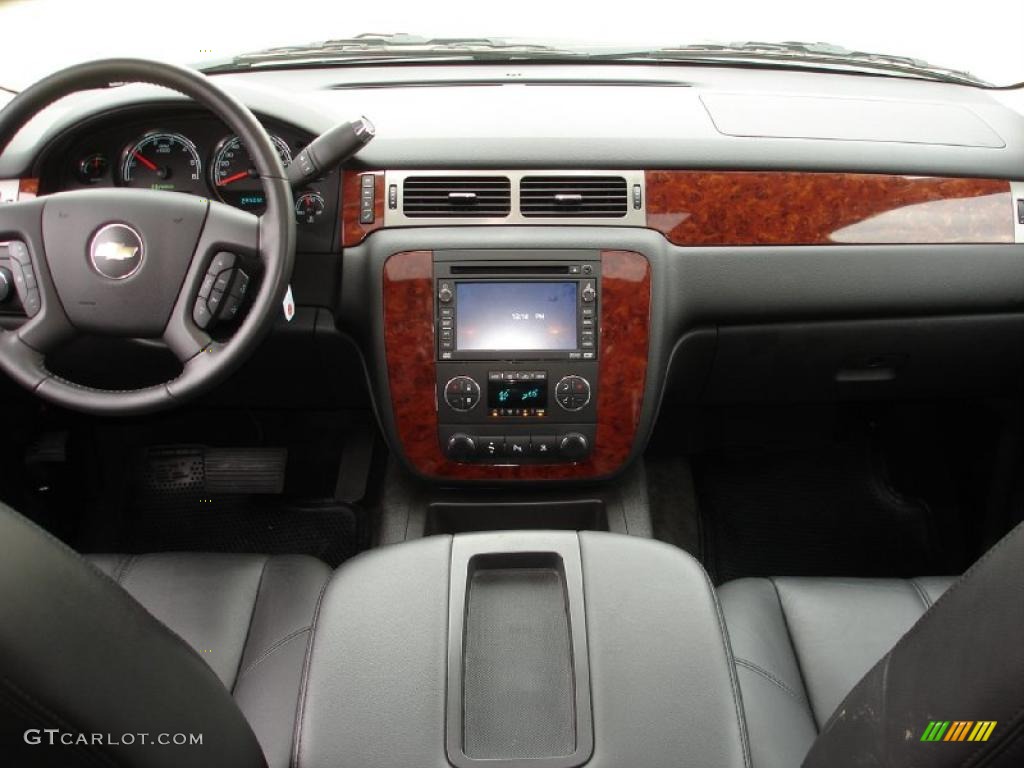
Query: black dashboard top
{"points": [[643, 116]]}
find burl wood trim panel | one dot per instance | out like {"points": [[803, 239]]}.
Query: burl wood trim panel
{"points": [[790, 208], [352, 232], [409, 348], [28, 188]]}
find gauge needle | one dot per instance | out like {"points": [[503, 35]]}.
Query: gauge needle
{"points": [[233, 178], [145, 161]]}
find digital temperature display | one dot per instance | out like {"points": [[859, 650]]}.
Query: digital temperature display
{"points": [[517, 394]]}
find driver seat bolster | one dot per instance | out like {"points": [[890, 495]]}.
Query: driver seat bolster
{"points": [[249, 617]]}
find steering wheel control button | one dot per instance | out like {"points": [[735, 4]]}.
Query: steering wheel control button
{"points": [[117, 251], [23, 277], [573, 446], [6, 284], [572, 393], [462, 394], [223, 291], [223, 260], [18, 252]]}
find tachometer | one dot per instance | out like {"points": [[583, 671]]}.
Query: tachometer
{"points": [[233, 175], [161, 161]]}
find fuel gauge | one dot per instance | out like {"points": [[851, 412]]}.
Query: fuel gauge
{"points": [[93, 168]]}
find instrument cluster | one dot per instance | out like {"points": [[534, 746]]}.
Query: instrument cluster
{"points": [[193, 154]]}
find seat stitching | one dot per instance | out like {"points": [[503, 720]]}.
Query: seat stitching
{"points": [[252, 620], [770, 677], [737, 693], [273, 648], [796, 656], [921, 593], [126, 564], [304, 684]]}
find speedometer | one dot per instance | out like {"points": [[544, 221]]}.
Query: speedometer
{"points": [[233, 174], [161, 161]]}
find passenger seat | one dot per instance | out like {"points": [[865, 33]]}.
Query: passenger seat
{"points": [[841, 671]]}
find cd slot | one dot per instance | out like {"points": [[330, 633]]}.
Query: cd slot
{"points": [[509, 269]]}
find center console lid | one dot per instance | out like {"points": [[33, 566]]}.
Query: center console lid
{"points": [[520, 649]]}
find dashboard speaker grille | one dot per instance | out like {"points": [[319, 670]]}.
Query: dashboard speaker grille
{"points": [[573, 196], [457, 196]]}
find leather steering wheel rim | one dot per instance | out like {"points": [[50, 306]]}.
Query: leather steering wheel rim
{"points": [[54, 221]]}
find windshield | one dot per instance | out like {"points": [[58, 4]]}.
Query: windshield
{"points": [[980, 43]]}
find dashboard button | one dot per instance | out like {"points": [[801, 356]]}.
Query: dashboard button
{"points": [[542, 445], [462, 393], [490, 446], [517, 447]]}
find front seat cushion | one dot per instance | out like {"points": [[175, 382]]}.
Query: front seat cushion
{"points": [[250, 617], [801, 645]]}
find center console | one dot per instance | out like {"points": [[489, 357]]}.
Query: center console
{"points": [[521, 650], [517, 355], [518, 363]]}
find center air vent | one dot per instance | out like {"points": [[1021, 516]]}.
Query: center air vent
{"points": [[591, 197], [458, 197]]}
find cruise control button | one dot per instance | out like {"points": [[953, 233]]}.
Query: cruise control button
{"points": [[201, 314], [213, 302], [18, 252], [32, 302], [207, 286], [223, 260]]}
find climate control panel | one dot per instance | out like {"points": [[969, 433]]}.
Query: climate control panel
{"points": [[517, 411]]}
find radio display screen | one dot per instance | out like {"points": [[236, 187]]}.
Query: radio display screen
{"points": [[496, 316]]}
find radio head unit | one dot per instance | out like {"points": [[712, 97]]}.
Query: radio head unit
{"points": [[517, 310]]}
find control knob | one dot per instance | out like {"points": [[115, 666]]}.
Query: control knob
{"points": [[460, 447], [589, 293], [572, 393], [462, 393], [573, 446]]}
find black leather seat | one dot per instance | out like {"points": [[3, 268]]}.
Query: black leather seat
{"points": [[224, 656], [250, 618], [802, 644], [851, 672]]}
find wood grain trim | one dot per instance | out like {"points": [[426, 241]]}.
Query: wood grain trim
{"points": [[409, 349], [789, 208], [28, 189], [352, 232]]}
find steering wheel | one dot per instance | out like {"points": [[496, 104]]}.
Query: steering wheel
{"points": [[138, 263]]}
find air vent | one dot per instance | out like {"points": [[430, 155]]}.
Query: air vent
{"points": [[591, 197], [459, 197]]}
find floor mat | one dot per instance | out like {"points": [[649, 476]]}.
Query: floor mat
{"points": [[821, 512]]}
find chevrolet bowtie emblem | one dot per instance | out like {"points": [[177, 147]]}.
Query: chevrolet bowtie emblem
{"points": [[115, 251]]}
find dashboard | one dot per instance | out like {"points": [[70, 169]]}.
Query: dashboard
{"points": [[189, 152], [747, 235]]}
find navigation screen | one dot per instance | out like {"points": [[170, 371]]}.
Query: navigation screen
{"points": [[515, 316]]}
